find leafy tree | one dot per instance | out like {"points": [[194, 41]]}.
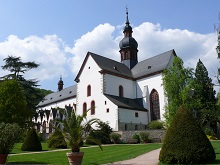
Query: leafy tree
{"points": [[185, 142], [177, 82], [13, 105], [204, 95], [17, 68], [218, 56]]}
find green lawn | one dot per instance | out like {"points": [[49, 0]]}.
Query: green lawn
{"points": [[93, 155], [17, 148]]}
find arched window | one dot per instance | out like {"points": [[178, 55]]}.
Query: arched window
{"points": [[121, 91], [154, 105], [136, 127], [88, 90], [126, 127], [50, 126], [93, 108], [84, 108], [44, 126], [38, 127]]}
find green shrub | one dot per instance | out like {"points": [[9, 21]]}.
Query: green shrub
{"points": [[145, 137], [31, 142], [9, 135], [155, 124], [102, 134], [185, 142], [99, 135], [115, 137], [57, 140], [136, 137]]}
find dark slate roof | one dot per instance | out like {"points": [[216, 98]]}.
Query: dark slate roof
{"points": [[64, 94], [112, 66], [152, 65], [122, 102], [143, 68]]}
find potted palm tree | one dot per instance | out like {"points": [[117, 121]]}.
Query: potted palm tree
{"points": [[75, 131], [9, 135]]}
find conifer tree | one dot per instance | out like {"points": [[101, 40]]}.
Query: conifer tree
{"points": [[185, 142], [31, 142], [205, 96]]}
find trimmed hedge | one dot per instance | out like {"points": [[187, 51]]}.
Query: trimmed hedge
{"points": [[155, 124], [57, 140], [31, 142], [185, 142]]}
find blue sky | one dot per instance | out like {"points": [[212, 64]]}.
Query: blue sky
{"points": [[58, 34]]}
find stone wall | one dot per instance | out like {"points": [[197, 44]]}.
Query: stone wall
{"points": [[157, 135], [131, 126]]}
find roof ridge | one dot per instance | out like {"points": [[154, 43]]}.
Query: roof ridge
{"points": [[104, 57], [157, 55]]}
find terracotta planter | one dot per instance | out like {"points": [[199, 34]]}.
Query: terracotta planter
{"points": [[3, 158], [75, 158]]}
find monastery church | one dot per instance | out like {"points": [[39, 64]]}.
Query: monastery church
{"points": [[126, 94]]}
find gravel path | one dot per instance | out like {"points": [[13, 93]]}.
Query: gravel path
{"points": [[150, 158]]}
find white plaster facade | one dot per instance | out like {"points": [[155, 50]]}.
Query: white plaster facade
{"points": [[127, 94]]}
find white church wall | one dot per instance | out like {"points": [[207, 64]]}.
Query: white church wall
{"points": [[91, 76], [127, 116], [153, 82], [112, 83]]}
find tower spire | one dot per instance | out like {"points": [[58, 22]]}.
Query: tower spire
{"points": [[127, 21], [128, 46]]}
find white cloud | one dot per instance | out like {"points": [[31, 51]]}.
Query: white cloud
{"points": [[53, 55], [152, 40], [48, 51], [99, 41]]}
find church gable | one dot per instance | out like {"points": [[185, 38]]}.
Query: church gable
{"points": [[89, 63]]}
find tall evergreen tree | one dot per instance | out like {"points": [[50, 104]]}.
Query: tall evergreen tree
{"points": [[176, 81], [205, 95], [17, 69]]}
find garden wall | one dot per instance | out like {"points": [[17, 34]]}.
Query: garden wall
{"points": [[157, 135]]}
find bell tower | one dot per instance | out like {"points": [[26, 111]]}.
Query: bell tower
{"points": [[60, 84], [128, 46]]}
